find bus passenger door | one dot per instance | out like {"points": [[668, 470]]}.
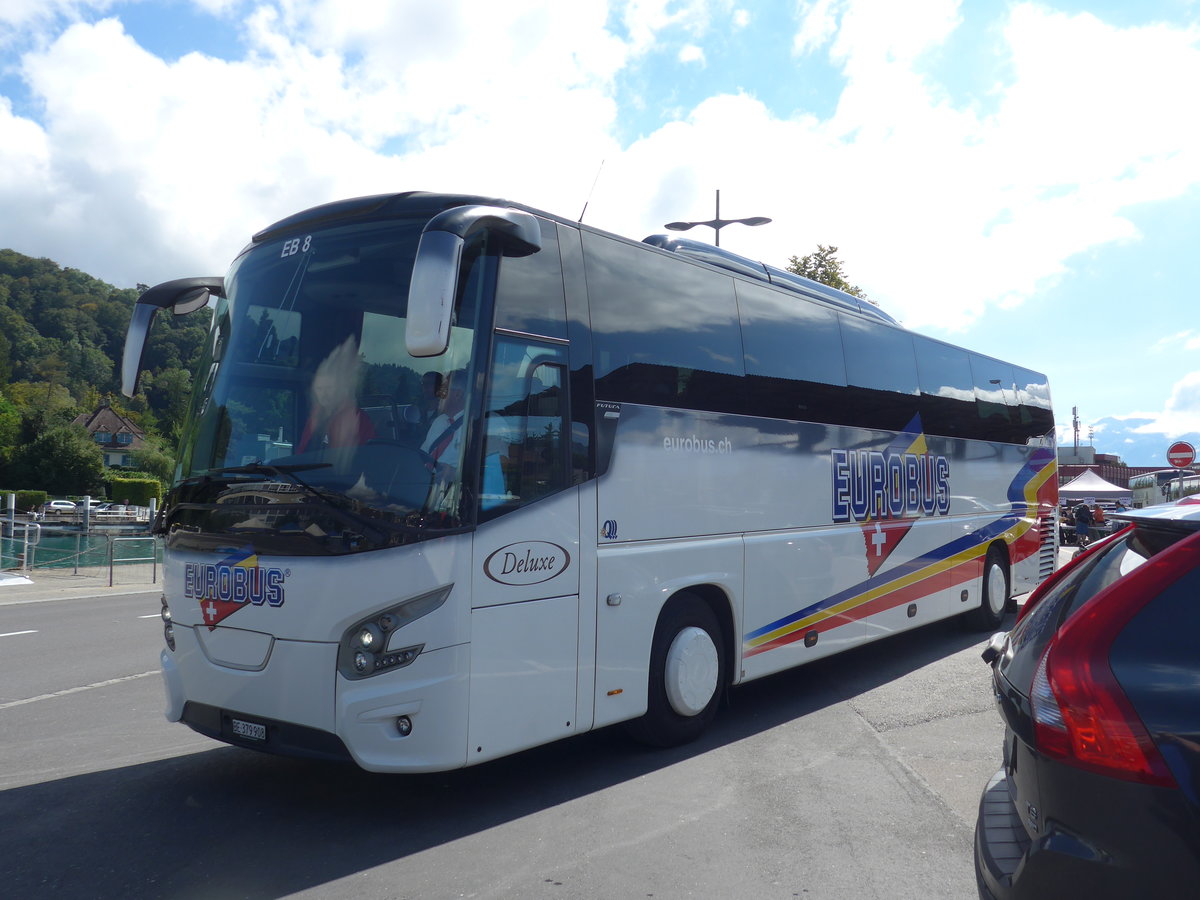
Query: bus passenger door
{"points": [[525, 620]]}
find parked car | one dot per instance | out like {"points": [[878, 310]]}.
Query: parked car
{"points": [[1098, 684], [58, 506]]}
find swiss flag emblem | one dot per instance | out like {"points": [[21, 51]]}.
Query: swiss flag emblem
{"points": [[214, 610], [882, 537]]}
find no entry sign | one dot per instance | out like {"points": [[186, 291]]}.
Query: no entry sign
{"points": [[1181, 454]]}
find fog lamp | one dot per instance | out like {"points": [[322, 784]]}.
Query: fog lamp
{"points": [[404, 726]]}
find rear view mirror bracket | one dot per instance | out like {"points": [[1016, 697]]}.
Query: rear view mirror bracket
{"points": [[182, 296], [435, 273]]}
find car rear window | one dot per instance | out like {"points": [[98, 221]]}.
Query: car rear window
{"points": [[1101, 568]]}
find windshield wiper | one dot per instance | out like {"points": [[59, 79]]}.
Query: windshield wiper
{"points": [[331, 499], [258, 467]]}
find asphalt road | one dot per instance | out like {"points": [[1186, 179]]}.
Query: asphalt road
{"points": [[854, 777]]}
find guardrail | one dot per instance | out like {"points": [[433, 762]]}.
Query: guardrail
{"points": [[33, 536], [152, 558], [96, 555]]}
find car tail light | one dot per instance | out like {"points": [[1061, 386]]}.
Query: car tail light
{"points": [[1080, 713]]}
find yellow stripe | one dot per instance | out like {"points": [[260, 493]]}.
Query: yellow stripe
{"points": [[850, 603]]}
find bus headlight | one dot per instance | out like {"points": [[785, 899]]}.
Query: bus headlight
{"points": [[168, 628], [363, 650], [370, 637]]}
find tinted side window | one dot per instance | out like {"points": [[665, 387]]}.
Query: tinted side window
{"points": [[995, 399], [526, 435], [529, 291], [881, 364], [947, 388], [1033, 395], [665, 331], [795, 367], [789, 337]]}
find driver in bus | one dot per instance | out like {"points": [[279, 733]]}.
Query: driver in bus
{"points": [[335, 421], [443, 441]]}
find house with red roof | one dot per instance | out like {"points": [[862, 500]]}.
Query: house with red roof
{"points": [[117, 436]]}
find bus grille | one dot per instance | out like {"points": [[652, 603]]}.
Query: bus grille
{"points": [[1048, 553]]}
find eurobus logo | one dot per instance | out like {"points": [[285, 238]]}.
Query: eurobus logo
{"points": [[229, 585], [869, 485], [903, 481]]}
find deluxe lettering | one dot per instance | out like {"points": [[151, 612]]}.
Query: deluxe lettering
{"points": [[527, 563]]}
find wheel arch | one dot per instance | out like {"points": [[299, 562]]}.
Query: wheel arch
{"points": [[1004, 551], [721, 604]]}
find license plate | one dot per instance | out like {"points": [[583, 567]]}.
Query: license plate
{"points": [[251, 731]]}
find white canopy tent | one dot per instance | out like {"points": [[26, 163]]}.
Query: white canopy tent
{"points": [[1089, 486]]}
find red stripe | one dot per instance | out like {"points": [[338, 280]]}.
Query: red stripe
{"points": [[960, 574]]}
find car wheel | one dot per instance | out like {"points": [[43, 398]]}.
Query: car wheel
{"points": [[687, 674]]}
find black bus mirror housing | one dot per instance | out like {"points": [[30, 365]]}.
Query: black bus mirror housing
{"points": [[435, 274], [182, 296]]}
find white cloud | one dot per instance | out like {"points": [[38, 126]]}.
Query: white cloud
{"points": [[818, 24], [645, 19], [1005, 199], [1180, 416], [1188, 339], [142, 169]]}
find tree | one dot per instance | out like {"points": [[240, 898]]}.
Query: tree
{"points": [[154, 458], [10, 427], [825, 267], [63, 460], [170, 394], [42, 406]]}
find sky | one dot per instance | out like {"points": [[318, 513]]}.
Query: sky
{"points": [[1020, 178]]}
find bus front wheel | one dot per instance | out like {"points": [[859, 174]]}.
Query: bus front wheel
{"points": [[687, 674]]}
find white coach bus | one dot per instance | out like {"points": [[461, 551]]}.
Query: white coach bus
{"points": [[461, 478]]}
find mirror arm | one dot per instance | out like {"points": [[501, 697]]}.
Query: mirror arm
{"points": [[431, 291], [182, 296], [518, 231]]}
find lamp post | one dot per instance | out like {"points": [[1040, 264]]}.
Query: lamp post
{"points": [[717, 223]]}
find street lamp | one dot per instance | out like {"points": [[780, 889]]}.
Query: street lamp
{"points": [[718, 223]]}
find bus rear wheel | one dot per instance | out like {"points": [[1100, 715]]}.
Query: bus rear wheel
{"points": [[687, 674], [995, 595]]}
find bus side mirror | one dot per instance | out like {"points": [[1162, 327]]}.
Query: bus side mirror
{"points": [[435, 275], [181, 296]]}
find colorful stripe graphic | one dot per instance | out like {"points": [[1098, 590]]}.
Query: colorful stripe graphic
{"points": [[954, 563]]}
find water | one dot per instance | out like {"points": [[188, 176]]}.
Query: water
{"points": [[56, 551]]}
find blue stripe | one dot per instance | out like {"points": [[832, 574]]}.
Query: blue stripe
{"points": [[967, 542]]}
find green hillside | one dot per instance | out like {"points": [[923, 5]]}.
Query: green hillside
{"points": [[62, 333]]}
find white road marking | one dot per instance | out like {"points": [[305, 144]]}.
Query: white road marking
{"points": [[76, 690], [15, 633]]}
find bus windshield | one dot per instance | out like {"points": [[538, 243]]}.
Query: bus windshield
{"points": [[312, 430]]}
